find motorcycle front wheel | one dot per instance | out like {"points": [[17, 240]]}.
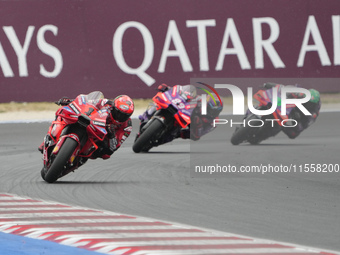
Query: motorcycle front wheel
{"points": [[243, 133], [145, 138], [53, 172]]}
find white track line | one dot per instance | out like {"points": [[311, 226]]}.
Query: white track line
{"points": [[114, 233]]}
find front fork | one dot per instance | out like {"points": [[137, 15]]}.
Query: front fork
{"points": [[55, 147]]}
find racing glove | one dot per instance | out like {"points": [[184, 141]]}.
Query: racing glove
{"points": [[111, 131], [64, 101]]}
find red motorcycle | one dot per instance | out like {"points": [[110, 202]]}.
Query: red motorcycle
{"points": [[72, 138], [173, 111]]}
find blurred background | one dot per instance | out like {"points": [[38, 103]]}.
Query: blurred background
{"points": [[49, 49]]}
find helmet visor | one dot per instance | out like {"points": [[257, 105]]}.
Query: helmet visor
{"points": [[119, 116]]}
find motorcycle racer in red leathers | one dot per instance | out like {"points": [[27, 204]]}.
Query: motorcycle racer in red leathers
{"points": [[118, 123]]}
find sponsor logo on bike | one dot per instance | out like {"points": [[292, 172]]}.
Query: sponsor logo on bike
{"points": [[99, 123], [74, 108]]}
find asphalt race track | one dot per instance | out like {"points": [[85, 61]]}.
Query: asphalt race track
{"points": [[301, 208]]}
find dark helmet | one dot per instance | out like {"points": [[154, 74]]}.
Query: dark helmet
{"points": [[122, 108]]}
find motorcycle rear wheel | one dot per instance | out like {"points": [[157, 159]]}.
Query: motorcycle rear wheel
{"points": [[242, 133], [145, 138], [51, 174]]}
